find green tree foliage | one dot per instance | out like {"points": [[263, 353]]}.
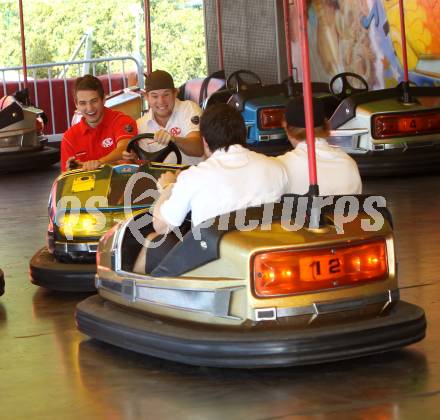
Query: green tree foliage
{"points": [[55, 27], [178, 44]]}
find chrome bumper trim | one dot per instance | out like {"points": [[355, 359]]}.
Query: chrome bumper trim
{"points": [[269, 137], [66, 247], [217, 302], [214, 302], [321, 308]]}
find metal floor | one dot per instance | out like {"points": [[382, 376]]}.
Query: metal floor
{"points": [[48, 370]]}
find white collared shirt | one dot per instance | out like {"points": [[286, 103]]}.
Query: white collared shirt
{"points": [[337, 172], [226, 181], [183, 120]]}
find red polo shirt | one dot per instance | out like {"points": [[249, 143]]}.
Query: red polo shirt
{"points": [[88, 143]]}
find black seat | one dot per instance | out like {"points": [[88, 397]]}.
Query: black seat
{"points": [[221, 96]]}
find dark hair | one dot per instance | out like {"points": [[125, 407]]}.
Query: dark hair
{"points": [[222, 126], [88, 82]]}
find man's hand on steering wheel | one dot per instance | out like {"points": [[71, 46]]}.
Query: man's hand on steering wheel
{"points": [[158, 156], [162, 137], [129, 155], [72, 163], [91, 165]]}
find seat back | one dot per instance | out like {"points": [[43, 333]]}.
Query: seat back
{"points": [[220, 96], [194, 89]]}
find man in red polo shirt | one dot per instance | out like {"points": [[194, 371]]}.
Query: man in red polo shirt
{"points": [[102, 134]]}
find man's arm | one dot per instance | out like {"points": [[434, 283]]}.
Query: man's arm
{"points": [[191, 145], [117, 153], [160, 225], [124, 128], [114, 155], [191, 142], [173, 204]]}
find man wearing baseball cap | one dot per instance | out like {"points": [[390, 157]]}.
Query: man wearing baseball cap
{"points": [[170, 119], [338, 173]]}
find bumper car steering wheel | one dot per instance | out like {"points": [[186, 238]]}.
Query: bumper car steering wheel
{"points": [[158, 156], [347, 88], [235, 82]]}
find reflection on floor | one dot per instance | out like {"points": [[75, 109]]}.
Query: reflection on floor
{"points": [[50, 370]]}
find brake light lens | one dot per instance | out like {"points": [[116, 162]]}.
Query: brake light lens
{"points": [[288, 272], [271, 118], [407, 124]]}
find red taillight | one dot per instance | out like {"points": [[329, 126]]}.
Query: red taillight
{"points": [[407, 124], [271, 118], [295, 271]]}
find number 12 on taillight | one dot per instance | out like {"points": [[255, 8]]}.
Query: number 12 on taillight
{"points": [[322, 268]]}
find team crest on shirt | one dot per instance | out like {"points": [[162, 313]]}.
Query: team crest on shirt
{"points": [[108, 142], [128, 128], [175, 131], [195, 120]]}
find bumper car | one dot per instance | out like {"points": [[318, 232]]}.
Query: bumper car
{"points": [[262, 108], [281, 293], [384, 134], [83, 205], [22, 145], [2, 283]]}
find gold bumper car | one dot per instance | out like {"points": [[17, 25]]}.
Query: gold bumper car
{"points": [[83, 205], [289, 283]]}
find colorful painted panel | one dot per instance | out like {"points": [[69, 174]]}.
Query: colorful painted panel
{"points": [[363, 36]]}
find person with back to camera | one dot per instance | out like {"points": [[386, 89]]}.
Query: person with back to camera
{"points": [[169, 119], [337, 172], [102, 133], [231, 178]]}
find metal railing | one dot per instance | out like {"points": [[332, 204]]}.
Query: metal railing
{"points": [[60, 71]]}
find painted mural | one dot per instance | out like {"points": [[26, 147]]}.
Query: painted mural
{"points": [[363, 36]]}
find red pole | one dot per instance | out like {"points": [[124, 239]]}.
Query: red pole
{"points": [[287, 37], [219, 34], [307, 91], [406, 94], [402, 30], [23, 43], [148, 59]]}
